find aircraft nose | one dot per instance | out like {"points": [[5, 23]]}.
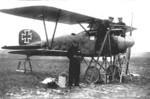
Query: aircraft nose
{"points": [[124, 42], [129, 41]]}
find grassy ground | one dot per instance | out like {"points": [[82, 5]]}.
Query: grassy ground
{"points": [[20, 85], [42, 67]]}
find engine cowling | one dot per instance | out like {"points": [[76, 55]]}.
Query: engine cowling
{"points": [[123, 42]]}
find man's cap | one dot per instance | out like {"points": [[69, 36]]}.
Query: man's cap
{"points": [[119, 17], [111, 17]]}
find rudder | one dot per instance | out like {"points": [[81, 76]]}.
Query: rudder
{"points": [[28, 36]]}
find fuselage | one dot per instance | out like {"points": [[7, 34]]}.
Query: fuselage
{"points": [[87, 43], [30, 42]]}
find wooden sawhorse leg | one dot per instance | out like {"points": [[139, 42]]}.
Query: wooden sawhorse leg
{"points": [[25, 65]]}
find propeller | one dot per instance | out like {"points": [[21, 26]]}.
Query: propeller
{"points": [[128, 52]]}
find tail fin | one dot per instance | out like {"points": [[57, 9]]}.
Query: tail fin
{"points": [[28, 36]]}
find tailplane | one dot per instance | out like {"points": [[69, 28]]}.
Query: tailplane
{"points": [[28, 36]]}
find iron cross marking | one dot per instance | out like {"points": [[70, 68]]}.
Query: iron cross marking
{"points": [[26, 36]]}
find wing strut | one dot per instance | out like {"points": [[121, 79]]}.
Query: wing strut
{"points": [[83, 28], [45, 31], [55, 28]]}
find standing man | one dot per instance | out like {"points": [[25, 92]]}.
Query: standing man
{"points": [[74, 65], [120, 22], [103, 27], [122, 25], [109, 23]]}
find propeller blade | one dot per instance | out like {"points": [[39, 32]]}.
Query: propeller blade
{"points": [[128, 52]]}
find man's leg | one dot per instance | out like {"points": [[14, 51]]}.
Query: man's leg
{"points": [[77, 79], [70, 79]]}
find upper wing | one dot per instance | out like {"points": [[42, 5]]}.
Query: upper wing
{"points": [[129, 28], [49, 13]]}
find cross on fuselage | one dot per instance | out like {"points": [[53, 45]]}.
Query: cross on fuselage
{"points": [[27, 36]]}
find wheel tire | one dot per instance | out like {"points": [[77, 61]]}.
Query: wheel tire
{"points": [[88, 74]]}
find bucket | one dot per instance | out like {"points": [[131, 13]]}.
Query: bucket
{"points": [[62, 79]]}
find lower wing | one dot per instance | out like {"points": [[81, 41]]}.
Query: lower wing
{"points": [[40, 52]]}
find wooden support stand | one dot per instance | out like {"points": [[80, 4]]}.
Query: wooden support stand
{"points": [[24, 61]]}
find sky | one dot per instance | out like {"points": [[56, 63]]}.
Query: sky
{"points": [[11, 25]]}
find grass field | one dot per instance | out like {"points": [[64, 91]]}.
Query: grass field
{"points": [[19, 85], [42, 67]]}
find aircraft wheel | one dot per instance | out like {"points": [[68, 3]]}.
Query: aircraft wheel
{"points": [[92, 71]]}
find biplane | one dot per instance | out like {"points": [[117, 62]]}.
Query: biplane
{"points": [[112, 46]]}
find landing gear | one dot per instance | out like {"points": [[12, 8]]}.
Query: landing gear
{"points": [[94, 72], [107, 70], [99, 72], [110, 68]]}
